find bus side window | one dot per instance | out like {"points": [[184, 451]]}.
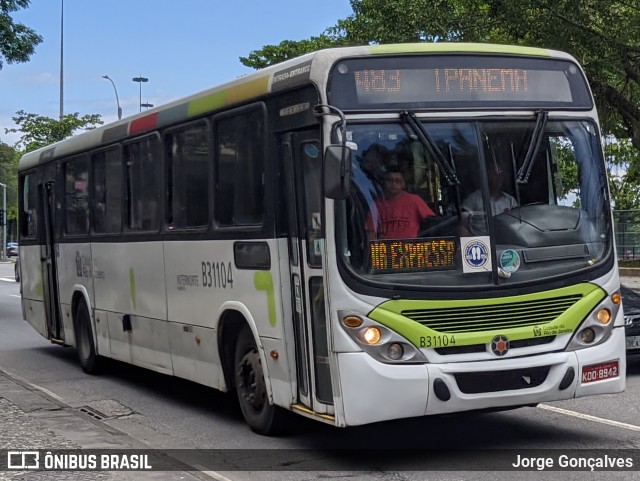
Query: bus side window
{"points": [[142, 158], [188, 176], [29, 215], [240, 169], [76, 196], [107, 192]]}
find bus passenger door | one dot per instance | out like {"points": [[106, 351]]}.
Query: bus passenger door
{"points": [[46, 198], [302, 170]]}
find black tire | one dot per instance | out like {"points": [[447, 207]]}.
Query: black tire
{"points": [[85, 346], [261, 416]]}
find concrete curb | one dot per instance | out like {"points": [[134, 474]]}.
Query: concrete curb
{"points": [[33, 418], [629, 271]]}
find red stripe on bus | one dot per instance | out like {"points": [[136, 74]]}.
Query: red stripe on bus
{"points": [[143, 124]]}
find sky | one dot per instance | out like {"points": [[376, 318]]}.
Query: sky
{"points": [[181, 46]]}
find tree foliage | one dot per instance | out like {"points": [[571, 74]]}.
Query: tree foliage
{"points": [[39, 131], [8, 176], [624, 173], [604, 35], [17, 42]]}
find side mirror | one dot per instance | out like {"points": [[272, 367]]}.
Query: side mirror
{"points": [[337, 171]]}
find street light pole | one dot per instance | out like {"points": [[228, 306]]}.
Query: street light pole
{"points": [[61, 60], [140, 80], [4, 227], [117, 99]]}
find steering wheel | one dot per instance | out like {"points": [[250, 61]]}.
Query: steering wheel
{"points": [[440, 225]]}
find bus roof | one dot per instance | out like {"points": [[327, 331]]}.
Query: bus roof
{"points": [[309, 68]]}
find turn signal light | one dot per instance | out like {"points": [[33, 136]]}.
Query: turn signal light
{"points": [[352, 321], [616, 298]]}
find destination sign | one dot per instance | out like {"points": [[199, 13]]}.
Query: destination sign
{"points": [[406, 255], [458, 81]]}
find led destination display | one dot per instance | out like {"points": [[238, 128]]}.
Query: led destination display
{"points": [[454, 81], [408, 255]]}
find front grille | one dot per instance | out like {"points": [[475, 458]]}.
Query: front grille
{"points": [[493, 316], [494, 381], [475, 348]]}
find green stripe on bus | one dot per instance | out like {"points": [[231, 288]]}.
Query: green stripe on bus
{"points": [[230, 96], [263, 281], [452, 47], [132, 286], [389, 314], [206, 104]]}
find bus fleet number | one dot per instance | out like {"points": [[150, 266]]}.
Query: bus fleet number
{"points": [[217, 274], [437, 341]]}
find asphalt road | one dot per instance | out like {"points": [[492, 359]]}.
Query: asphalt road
{"points": [[170, 413]]}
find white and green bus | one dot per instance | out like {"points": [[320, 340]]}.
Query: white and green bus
{"points": [[240, 238]]}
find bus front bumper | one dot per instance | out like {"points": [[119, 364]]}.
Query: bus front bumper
{"points": [[372, 391]]}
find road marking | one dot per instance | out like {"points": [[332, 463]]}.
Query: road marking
{"points": [[15, 295], [7, 279], [588, 417]]}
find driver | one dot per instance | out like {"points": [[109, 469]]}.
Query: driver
{"points": [[500, 201], [397, 214]]}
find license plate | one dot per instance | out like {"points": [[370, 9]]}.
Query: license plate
{"points": [[599, 372], [633, 342]]}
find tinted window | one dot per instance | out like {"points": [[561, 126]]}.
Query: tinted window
{"points": [[188, 177], [142, 166], [29, 214], [240, 147], [107, 194], [76, 194]]}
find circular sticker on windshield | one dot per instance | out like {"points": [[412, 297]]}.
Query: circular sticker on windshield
{"points": [[311, 150], [476, 254], [510, 260]]}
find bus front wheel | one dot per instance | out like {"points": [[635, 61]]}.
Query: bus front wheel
{"points": [[84, 340], [261, 416]]}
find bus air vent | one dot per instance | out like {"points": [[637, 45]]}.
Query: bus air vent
{"points": [[494, 381], [494, 316]]}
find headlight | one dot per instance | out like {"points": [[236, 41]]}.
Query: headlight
{"points": [[380, 342], [597, 327], [603, 316], [371, 335]]}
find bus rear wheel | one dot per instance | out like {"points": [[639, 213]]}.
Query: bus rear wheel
{"points": [[85, 346], [261, 416]]}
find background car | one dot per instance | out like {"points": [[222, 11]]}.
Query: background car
{"points": [[12, 249], [631, 309]]}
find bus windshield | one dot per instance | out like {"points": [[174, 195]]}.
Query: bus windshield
{"points": [[464, 204]]}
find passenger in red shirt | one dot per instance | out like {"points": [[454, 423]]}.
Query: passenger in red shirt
{"points": [[397, 215]]}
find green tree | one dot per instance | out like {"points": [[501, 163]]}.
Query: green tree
{"points": [[17, 42], [9, 176], [603, 34], [39, 131], [624, 173]]}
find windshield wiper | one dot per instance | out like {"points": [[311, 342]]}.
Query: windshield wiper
{"points": [[447, 169], [534, 146]]}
